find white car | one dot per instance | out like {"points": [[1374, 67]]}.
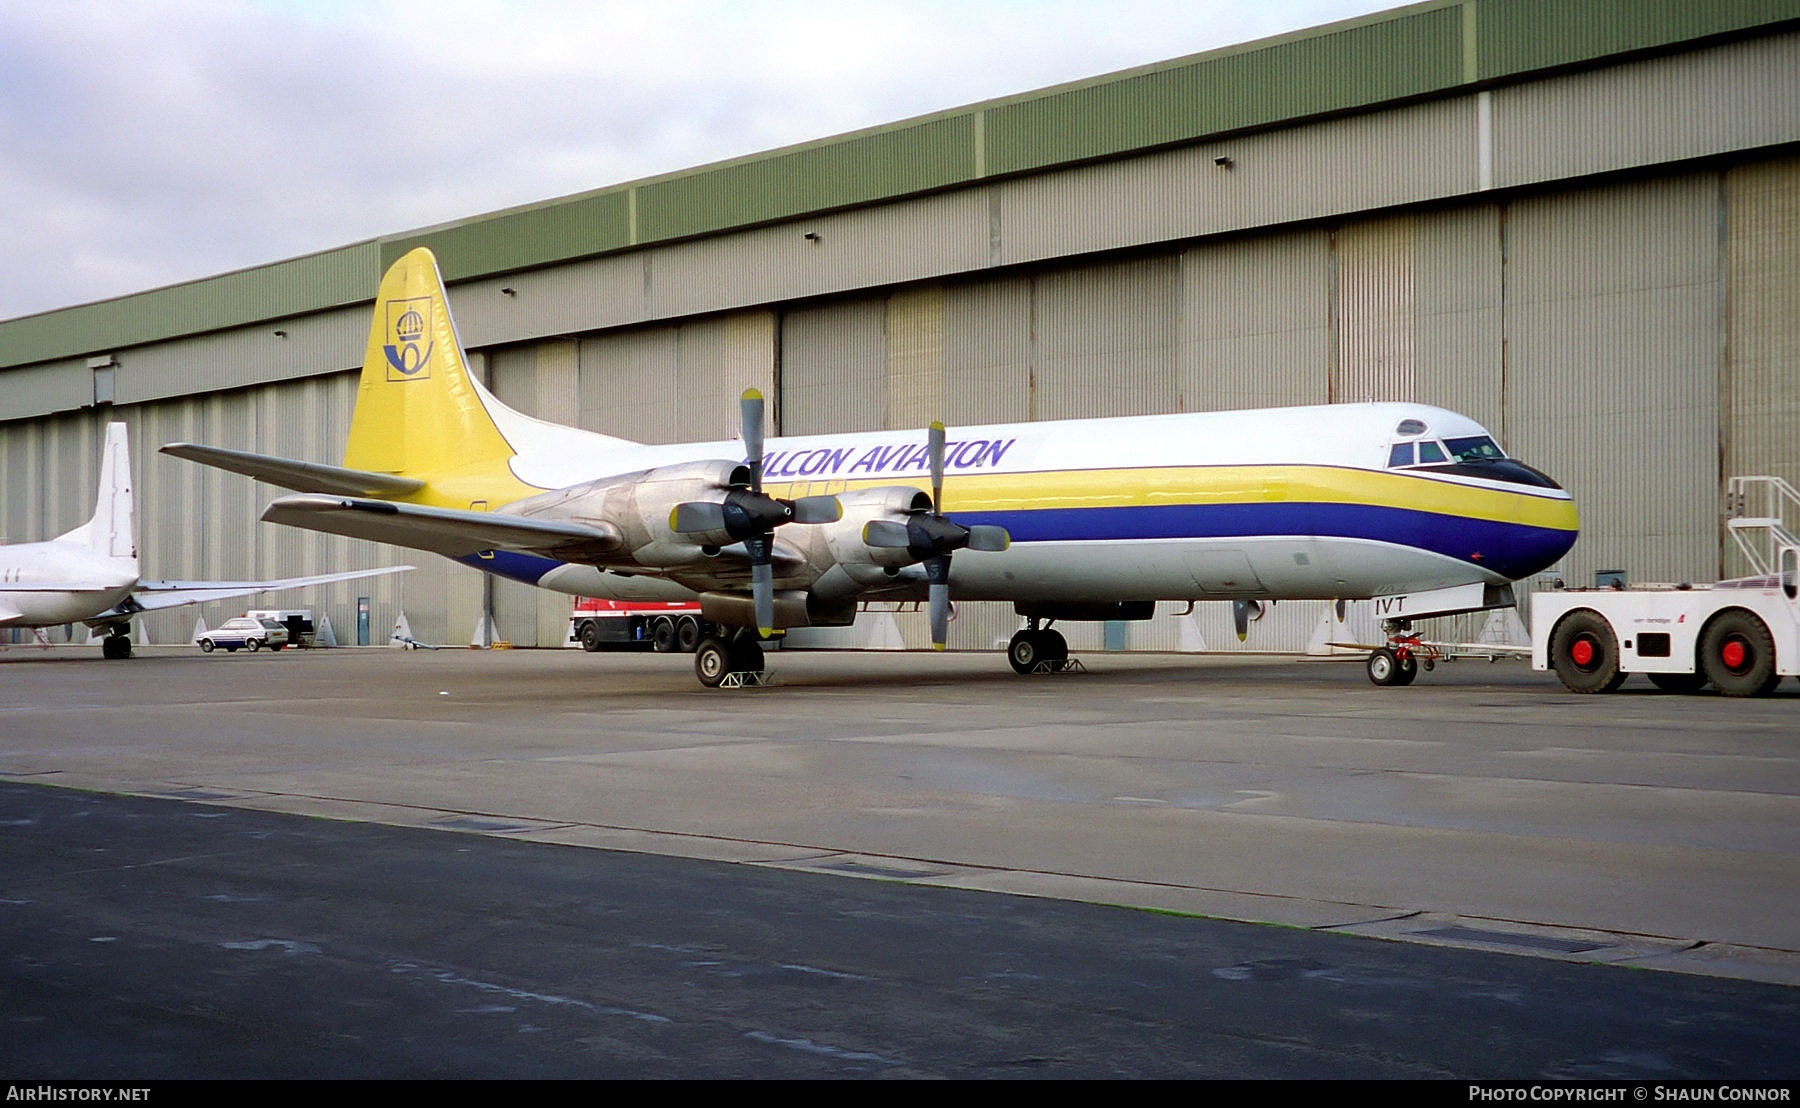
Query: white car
{"points": [[246, 632]]}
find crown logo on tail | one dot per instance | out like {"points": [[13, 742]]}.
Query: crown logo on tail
{"points": [[409, 346]]}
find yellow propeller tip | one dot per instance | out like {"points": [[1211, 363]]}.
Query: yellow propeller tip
{"points": [[937, 646], [766, 632], [752, 394], [937, 425]]}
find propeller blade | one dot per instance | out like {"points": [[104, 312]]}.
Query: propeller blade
{"points": [[988, 538], [817, 509], [935, 446], [752, 406], [886, 533], [937, 572], [762, 591], [697, 515], [940, 616]]}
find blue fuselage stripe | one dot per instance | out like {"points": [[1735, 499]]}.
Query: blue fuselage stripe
{"points": [[1512, 549]]}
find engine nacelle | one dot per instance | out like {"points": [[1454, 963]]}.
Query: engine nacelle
{"points": [[640, 504], [847, 540]]}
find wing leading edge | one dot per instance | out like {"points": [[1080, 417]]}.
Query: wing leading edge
{"points": [[447, 531]]}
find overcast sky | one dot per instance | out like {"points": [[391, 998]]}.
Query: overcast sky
{"points": [[146, 142]]}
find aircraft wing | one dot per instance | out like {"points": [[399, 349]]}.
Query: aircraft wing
{"points": [[151, 596], [448, 531], [296, 475]]}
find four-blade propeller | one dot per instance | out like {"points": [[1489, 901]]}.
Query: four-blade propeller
{"points": [[930, 538], [748, 515]]}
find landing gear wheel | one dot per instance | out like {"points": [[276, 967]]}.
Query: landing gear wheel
{"points": [[1022, 652], [1585, 654], [662, 636], [715, 658], [1737, 655], [1031, 650], [1678, 682], [1387, 669], [712, 661], [115, 646], [687, 635]]}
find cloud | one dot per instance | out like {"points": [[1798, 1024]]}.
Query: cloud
{"points": [[147, 143]]}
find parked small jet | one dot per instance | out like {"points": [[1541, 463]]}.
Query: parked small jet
{"points": [[1070, 520], [90, 575]]}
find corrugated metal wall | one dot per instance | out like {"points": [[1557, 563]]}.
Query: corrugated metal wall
{"points": [[1613, 340], [1760, 401]]}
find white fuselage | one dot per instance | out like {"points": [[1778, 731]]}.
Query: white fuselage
{"points": [[43, 584], [1274, 503]]}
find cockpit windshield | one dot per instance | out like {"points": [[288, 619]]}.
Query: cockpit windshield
{"points": [[1476, 448], [1469, 456]]}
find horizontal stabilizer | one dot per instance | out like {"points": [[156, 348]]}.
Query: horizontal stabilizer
{"points": [[447, 531], [151, 596], [296, 475]]}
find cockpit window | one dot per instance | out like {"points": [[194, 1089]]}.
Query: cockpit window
{"points": [[1430, 453], [1477, 448], [1400, 455]]}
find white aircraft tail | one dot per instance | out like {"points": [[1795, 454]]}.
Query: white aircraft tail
{"points": [[109, 532]]}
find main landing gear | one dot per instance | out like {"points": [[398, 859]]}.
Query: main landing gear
{"points": [[732, 661], [117, 643], [1036, 650]]}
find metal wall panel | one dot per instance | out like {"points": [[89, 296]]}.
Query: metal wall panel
{"points": [[1519, 36], [1761, 387], [1404, 54], [915, 357], [569, 227], [1734, 97], [1105, 339], [855, 250], [834, 368], [1613, 338], [327, 342], [716, 360], [1456, 303], [299, 286], [1372, 311], [1306, 172], [32, 391], [628, 384], [987, 351], [1255, 322]]}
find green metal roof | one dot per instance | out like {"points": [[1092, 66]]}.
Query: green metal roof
{"points": [[1432, 49]]}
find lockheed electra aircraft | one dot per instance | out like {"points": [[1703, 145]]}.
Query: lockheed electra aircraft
{"points": [[1094, 519], [90, 575]]}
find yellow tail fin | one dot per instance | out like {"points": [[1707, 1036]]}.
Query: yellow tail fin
{"points": [[418, 412]]}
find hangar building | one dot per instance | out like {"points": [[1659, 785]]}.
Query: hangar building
{"points": [[1577, 221]]}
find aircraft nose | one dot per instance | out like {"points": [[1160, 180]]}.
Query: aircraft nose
{"points": [[1543, 533]]}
